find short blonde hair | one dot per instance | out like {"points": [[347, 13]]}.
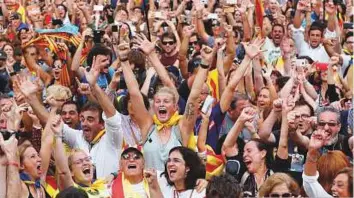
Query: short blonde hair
{"points": [[59, 92], [170, 91], [278, 179], [71, 154]]}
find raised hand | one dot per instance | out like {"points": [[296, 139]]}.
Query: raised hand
{"points": [[289, 104], [123, 51], [254, 48], [151, 177], [207, 54], [247, 114], [144, 44], [83, 88], [291, 117], [54, 103], [267, 72], [26, 86], [334, 61], [57, 125], [277, 105], [9, 147], [303, 5], [188, 31], [92, 75], [318, 139]]}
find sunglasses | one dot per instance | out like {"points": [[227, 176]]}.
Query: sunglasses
{"points": [[330, 124], [193, 43], [168, 42], [129, 156], [280, 195]]}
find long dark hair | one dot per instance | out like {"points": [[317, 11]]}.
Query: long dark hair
{"points": [[193, 162], [261, 145]]}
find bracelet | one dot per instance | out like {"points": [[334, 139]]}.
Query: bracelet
{"points": [[11, 164], [204, 66]]}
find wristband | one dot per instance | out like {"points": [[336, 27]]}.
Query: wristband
{"points": [[204, 66], [11, 164]]}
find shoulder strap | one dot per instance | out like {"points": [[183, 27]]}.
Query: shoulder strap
{"points": [[244, 178], [117, 187]]}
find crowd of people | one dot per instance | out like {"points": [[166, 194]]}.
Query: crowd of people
{"points": [[176, 98]]}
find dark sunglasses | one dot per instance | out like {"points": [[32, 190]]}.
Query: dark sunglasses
{"points": [[128, 156], [193, 43], [280, 195], [330, 124], [168, 42]]}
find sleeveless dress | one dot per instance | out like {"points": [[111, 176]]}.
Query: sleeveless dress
{"points": [[156, 153]]}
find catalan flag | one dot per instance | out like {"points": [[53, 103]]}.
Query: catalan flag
{"points": [[259, 10]]}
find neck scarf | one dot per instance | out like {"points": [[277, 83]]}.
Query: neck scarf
{"points": [[171, 122], [95, 188], [121, 187], [98, 137], [27, 180]]}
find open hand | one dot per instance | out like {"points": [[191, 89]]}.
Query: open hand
{"points": [[254, 48]]}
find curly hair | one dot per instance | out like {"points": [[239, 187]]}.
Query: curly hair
{"points": [[193, 162]]}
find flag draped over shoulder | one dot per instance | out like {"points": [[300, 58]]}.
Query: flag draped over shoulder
{"points": [[47, 39], [259, 10]]}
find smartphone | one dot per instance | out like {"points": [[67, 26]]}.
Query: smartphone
{"points": [[98, 8], [228, 9], [57, 22], [204, 1], [300, 62], [231, 1], [321, 66], [213, 16], [207, 104], [110, 19], [348, 26], [97, 36], [114, 28]]}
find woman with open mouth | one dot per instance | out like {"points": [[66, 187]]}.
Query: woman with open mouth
{"points": [[182, 170], [165, 129], [26, 168], [77, 170], [256, 162]]}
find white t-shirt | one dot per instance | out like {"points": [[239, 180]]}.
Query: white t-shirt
{"points": [[272, 53], [169, 191]]}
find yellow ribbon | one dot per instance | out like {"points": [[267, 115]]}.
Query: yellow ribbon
{"points": [[171, 122], [95, 189], [98, 136]]}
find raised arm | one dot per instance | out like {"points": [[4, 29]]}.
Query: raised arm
{"points": [[9, 147], [252, 50], [282, 151], [34, 67], [143, 118], [75, 65], [302, 6], [190, 114], [203, 131], [265, 129], [102, 98], [183, 52], [230, 143], [200, 25], [230, 48], [61, 161]]}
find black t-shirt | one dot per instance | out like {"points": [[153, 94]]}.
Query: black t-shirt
{"points": [[4, 81], [342, 144], [183, 90]]}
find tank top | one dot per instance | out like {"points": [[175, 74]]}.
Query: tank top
{"points": [[31, 196], [156, 153]]}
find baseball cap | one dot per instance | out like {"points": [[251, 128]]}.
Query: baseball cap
{"points": [[3, 55], [135, 149], [22, 26]]}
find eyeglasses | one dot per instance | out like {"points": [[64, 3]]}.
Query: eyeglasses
{"points": [[57, 66], [133, 156], [81, 161], [193, 43], [168, 42], [302, 116], [330, 124], [280, 195]]}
